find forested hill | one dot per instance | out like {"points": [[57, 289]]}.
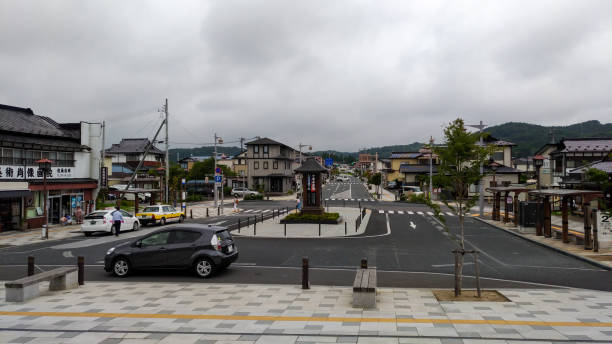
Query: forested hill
{"points": [[530, 137]]}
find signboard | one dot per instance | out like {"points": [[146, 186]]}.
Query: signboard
{"points": [[34, 172], [509, 200], [329, 162], [604, 226], [218, 179], [103, 177], [218, 170]]}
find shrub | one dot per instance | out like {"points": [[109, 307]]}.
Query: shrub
{"points": [[194, 198], [312, 218], [417, 198], [250, 197], [290, 192]]}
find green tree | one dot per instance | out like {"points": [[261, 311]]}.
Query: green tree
{"points": [[597, 176], [460, 160], [376, 179], [206, 168]]}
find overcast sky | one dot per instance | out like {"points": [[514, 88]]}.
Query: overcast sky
{"points": [[335, 74]]}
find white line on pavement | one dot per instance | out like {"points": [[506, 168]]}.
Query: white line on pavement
{"points": [[420, 212]]}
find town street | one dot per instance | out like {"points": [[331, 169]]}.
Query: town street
{"points": [[408, 246]]}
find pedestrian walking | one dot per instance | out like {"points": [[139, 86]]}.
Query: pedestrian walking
{"points": [[79, 215], [235, 204], [299, 205], [117, 219]]}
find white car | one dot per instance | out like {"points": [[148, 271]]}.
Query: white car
{"points": [[414, 190], [102, 221], [237, 192], [142, 197]]}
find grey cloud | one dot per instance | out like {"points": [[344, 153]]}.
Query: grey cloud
{"points": [[338, 75]]}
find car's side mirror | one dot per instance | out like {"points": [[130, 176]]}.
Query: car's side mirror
{"points": [[138, 244]]}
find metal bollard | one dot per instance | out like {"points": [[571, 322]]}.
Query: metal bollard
{"points": [[305, 282], [191, 213], [345, 232], [238, 225], [364, 263], [30, 265], [218, 211], [255, 228], [206, 212], [319, 229], [261, 217], [272, 214], [285, 229], [248, 224], [81, 266]]}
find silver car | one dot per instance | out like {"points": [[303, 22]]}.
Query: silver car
{"points": [[241, 192]]}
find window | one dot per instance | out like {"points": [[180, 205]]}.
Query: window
{"points": [[275, 165], [185, 237], [150, 209], [265, 165], [256, 150], [265, 149], [125, 213], [7, 156], [256, 165], [498, 156], [156, 239], [166, 209]]}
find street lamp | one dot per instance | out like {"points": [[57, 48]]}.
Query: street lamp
{"points": [[218, 140], [44, 165], [494, 166], [431, 141], [538, 162], [303, 145]]}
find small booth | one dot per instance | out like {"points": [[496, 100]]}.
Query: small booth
{"points": [[497, 192], [544, 223], [311, 172]]}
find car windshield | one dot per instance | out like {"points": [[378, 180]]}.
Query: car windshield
{"points": [[150, 209], [96, 215]]}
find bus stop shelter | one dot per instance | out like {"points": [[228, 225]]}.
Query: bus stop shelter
{"points": [[497, 192], [543, 226]]}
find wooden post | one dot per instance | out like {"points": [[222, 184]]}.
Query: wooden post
{"points": [[547, 229], [319, 228], [587, 227], [248, 222], [506, 207], [498, 206], [81, 266], [564, 221], [191, 213], [207, 212], [255, 227], [515, 209], [539, 217], [30, 265], [305, 282], [595, 230], [285, 229], [345, 228], [477, 270]]}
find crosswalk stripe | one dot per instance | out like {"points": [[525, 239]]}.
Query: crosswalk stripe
{"points": [[449, 213], [248, 211], [429, 213], [411, 212], [381, 211], [267, 210], [400, 212], [420, 212], [390, 211]]}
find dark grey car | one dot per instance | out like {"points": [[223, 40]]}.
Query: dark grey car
{"points": [[203, 248]]}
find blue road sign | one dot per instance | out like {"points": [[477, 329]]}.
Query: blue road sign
{"points": [[329, 161], [218, 179]]}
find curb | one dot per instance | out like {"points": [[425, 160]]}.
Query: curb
{"points": [[579, 257]]}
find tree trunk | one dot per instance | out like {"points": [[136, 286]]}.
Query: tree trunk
{"points": [[459, 255]]}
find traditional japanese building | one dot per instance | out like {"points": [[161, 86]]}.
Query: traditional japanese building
{"points": [[73, 148]]}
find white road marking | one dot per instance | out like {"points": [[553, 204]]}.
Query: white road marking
{"points": [[429, 213], [420, 212], [449, 213], [67, 254], [411, 213], [445, 265], [267, 210], [400, 212], [390, 211], [248, 211], [412, 225], [381, 211]]}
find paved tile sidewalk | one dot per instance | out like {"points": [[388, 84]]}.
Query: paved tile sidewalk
{"points": [[226, 313], [18, 238]]}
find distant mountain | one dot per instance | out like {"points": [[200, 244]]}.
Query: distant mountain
{"points": [[179, 153], [383, 152], [530, 137]]}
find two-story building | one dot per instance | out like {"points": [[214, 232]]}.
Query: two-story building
{"points": [[271, 165], [74, 150], [125, 157]]}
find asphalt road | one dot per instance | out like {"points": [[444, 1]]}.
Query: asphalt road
{"points": [[409, 250]]}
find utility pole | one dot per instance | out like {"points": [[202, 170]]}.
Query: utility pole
{"points": [[103, 150], [167, 199], [431, 141], [241, 149], [480, 126], [215, 174]]}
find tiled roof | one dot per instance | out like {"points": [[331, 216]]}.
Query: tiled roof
{"points": [[587, 145], [127, 146], [605, 166], [23, 121], [405, 155], [267, 141], [407, 168], [310, 165]]}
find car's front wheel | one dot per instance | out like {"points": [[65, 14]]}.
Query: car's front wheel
{"points": [[204, 267], [87, 234], [181, 219], [121, 267], [162, 221], [135, 227]]}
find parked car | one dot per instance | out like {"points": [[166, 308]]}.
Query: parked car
{"points": [[241, 192], [142, 197], [160, 214], [392, 185], [412, 190], [102, 221], [205, 249]]}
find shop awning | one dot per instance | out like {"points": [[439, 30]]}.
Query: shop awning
{"points": [[14, 189]]}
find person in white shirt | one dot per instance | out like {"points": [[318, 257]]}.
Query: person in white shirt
{"points": [[117, 219]]}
